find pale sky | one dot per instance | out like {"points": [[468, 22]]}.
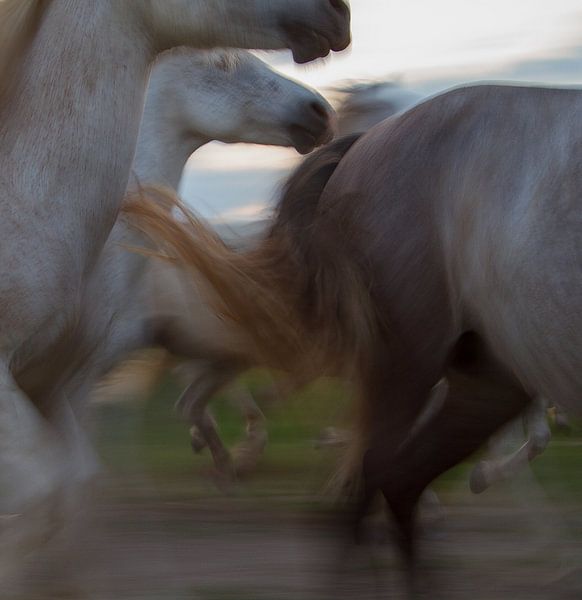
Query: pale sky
{"points": [[428, 45]]}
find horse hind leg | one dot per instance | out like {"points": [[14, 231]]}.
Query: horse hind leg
{"points": [[398, 403], [490, 471], [246, 454], [200, 424], [482, 396], [193, 405]]}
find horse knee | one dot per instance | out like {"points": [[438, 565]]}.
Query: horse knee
{"points": [[197, 440], [480, 478]]}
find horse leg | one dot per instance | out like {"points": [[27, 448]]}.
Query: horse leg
{"points": [[83, 463], [247, 453], [197, 439], [193, 405], [538, 428], [488, 472], [482, 397], [31, 474], [392, 419], [561, 420], [332, 437]]}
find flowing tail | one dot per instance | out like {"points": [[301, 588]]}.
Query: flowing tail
{"points": [[241, 287], [294, 298]]}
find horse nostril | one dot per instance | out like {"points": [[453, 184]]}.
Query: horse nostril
{"points": [[319, 109]]}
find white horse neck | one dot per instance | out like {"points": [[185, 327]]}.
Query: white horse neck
{"points": [[165, 142], [71, 117]]}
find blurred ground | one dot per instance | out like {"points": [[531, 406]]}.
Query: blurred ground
{"points": [[157, 528]]}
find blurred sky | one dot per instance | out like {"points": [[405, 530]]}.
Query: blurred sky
{"points": [[428, 45]]}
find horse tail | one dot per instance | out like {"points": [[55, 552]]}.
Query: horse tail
{"points": [[235, 284], [303, 306]]}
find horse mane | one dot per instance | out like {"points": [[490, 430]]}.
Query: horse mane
{"points": [[302, 301], [19, 22]]}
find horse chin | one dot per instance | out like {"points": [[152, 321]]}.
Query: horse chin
{"points": [[303, 55], [303, 150], [302, 140], [305, 44]]}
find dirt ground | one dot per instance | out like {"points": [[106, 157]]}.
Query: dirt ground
{"points": [[486, 548]]}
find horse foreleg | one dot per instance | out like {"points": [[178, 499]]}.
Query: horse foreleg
{"points": [[31, 474], [488, 472], [82, 461], [247, 453]]}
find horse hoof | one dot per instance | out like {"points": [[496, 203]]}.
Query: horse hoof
{"points": [[225, 483], [197, 442], [197, 446], [246, 456], [479, 480], [22, 534]]}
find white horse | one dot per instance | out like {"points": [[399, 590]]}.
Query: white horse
{"points": [[72, 83]]}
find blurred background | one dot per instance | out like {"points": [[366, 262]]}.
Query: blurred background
{"points": [[162, 525], [424, 46]]}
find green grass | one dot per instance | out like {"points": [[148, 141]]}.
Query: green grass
{"points": [[147, 438]]}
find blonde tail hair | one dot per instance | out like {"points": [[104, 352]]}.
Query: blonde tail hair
{"points": [[239, 286]]}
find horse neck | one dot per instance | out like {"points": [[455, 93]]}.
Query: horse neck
{"points": [[165, 141], [69, 125]]}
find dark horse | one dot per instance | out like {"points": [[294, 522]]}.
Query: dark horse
{"points": [[444, 242]]}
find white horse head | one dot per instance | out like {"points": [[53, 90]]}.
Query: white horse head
{"points": [[240, 99], [231, 96]]}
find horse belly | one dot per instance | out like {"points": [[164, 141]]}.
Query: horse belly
{"points": [[524, 289]]}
